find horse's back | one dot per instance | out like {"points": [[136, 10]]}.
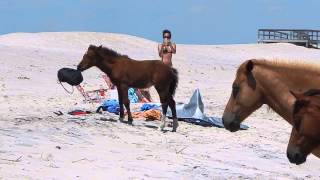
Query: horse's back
{"points": [[141, 72], [148, 65], [149, 62]]}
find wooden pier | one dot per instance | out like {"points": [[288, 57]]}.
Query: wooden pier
{"points": [[303, 37]]}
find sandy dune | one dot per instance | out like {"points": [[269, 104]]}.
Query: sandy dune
{"points": [[37, 144]]}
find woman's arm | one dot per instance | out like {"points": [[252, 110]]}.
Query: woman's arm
{"points": [[160, 46], [173, 47]]}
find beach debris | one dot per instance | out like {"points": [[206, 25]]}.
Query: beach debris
{"points": [[53, 165], [23, 78], [48, 157], [58, 113], [180, 151], [12, 160], [83, 159]]}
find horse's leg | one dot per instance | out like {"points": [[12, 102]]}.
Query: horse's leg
{"points": [[172, 105], [120, 98], [164, 103], [126, 103]]}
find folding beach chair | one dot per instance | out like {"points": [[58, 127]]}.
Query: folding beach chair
{"points": [[96, 95]]}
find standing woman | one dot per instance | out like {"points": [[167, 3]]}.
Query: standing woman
{"points": [[166, 48]]}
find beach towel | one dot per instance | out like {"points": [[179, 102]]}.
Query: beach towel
{"points": [[151, 114], [193, 112], [79, 112]]}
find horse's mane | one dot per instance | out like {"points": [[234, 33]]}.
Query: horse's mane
{"points": [[290, 64], [110, 52], [285, 66]]}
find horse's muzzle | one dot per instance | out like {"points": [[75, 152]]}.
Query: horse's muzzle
{"points": [[295, 156], [231, 122]]}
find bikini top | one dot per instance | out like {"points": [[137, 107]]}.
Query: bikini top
{"points": [[166, 49]]}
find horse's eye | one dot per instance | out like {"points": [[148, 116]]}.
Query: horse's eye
{"points": [[235, 90]]}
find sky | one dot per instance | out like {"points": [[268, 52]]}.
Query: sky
{"points": [[190, 21]]}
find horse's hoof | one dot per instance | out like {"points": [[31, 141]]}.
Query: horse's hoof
{"points": [[175, 125], [162, 126], [120, 119], [174, 129], [130, 122]]}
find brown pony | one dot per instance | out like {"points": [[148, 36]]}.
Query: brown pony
{"points": [[306, 127], [125, 72], [261, 82]]}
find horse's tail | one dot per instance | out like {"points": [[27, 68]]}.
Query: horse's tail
{"points": [[174, 82]]}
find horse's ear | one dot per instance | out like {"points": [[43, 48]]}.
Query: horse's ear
{"points": [[98, 52], [249, 66], [251, 80], [294, 94], [92, 46], [300, 103], [297, 95]]}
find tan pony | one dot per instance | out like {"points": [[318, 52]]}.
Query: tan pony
{"points": [[261, 82]]}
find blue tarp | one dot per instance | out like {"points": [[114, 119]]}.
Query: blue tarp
{"points": [[133, 98], [193, 112], [110, 105], [146, 107]]}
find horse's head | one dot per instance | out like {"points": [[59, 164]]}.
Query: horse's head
{"points": [[245, 97], [90, 58], [305, 135]]}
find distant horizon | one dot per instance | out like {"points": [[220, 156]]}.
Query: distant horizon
{"points": [[203, 22], [122, 34], [140, 36]]}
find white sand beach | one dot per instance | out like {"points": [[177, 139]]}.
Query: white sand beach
{"points": [[37, 144]]}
